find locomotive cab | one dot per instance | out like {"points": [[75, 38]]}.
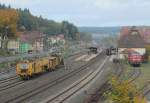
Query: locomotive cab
{"points": [[23, 69], [134, 58]]}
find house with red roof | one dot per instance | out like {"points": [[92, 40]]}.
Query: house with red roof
{"points": [[31, 40], [59, 39], [131, 39], [144, 31]]}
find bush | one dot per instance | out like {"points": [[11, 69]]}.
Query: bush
{"points": [[123, 92]]}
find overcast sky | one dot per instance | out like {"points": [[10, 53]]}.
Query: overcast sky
{"points": [[89, 12]]}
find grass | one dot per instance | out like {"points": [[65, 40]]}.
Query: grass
{"points": [[5, 65], [143, 78], [5, 53], [128, 70], [145, 75], [140, 81], [66, 54]]}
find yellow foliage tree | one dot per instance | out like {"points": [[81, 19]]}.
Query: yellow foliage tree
{"points": [[8, 23], [139, 99], [123, 92]]}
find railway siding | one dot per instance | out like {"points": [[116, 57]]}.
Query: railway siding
{"points": [[56, 99], [29, 84]]}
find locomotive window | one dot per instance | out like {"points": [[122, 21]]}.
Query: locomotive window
{"points": [[24, 66]]}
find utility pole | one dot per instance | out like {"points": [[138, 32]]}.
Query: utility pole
{"points": [[45, 42], [65, 53]]}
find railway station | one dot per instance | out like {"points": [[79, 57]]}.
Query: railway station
{"points": [[78, 51]]}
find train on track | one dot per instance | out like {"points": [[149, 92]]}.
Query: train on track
{"points": [[29, 68], [134, 58], [111, 51]]}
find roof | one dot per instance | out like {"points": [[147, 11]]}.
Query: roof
{"points": [[143, 30], [131, 40], [92, 48], [60, 37], [30, 36]]}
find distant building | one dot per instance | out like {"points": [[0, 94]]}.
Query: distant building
{"points": [[13, 45], [31, 40], [144, 31], [54, 40], [131, 40]]}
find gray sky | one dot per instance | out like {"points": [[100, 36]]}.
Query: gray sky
{"points": [[89, 12]]}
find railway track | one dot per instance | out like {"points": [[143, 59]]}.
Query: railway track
{"points": [[134, 75], [13, 81], [120, 66], [6, 71], [8, 79], [28, 94], [98, 95], [146, 93], [10, 84], [74, 54], [70, 91], [145, 89]]}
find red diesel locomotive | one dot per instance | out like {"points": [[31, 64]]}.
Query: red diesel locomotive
{"points": [[134, 58]]}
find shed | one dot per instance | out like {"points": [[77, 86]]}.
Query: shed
{"points": [[93, 50]]}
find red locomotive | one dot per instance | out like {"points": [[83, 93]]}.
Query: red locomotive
{"points": [[134, 58]]}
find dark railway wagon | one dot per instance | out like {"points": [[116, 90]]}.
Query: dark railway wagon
{"points": [[111, 51], [93, 50]]}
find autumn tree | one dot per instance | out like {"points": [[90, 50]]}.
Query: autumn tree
{"points": [[8, 25], [124, 92]]}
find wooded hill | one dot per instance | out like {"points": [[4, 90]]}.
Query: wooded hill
{"points": [[13, 20]]}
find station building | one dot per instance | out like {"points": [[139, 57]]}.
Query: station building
{"points": [[130, 40]]}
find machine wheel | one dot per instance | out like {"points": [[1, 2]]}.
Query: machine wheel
{"points": [[28, 77]]}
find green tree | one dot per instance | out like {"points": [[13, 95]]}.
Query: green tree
{"points": [[26, 21], [69, 30]]}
